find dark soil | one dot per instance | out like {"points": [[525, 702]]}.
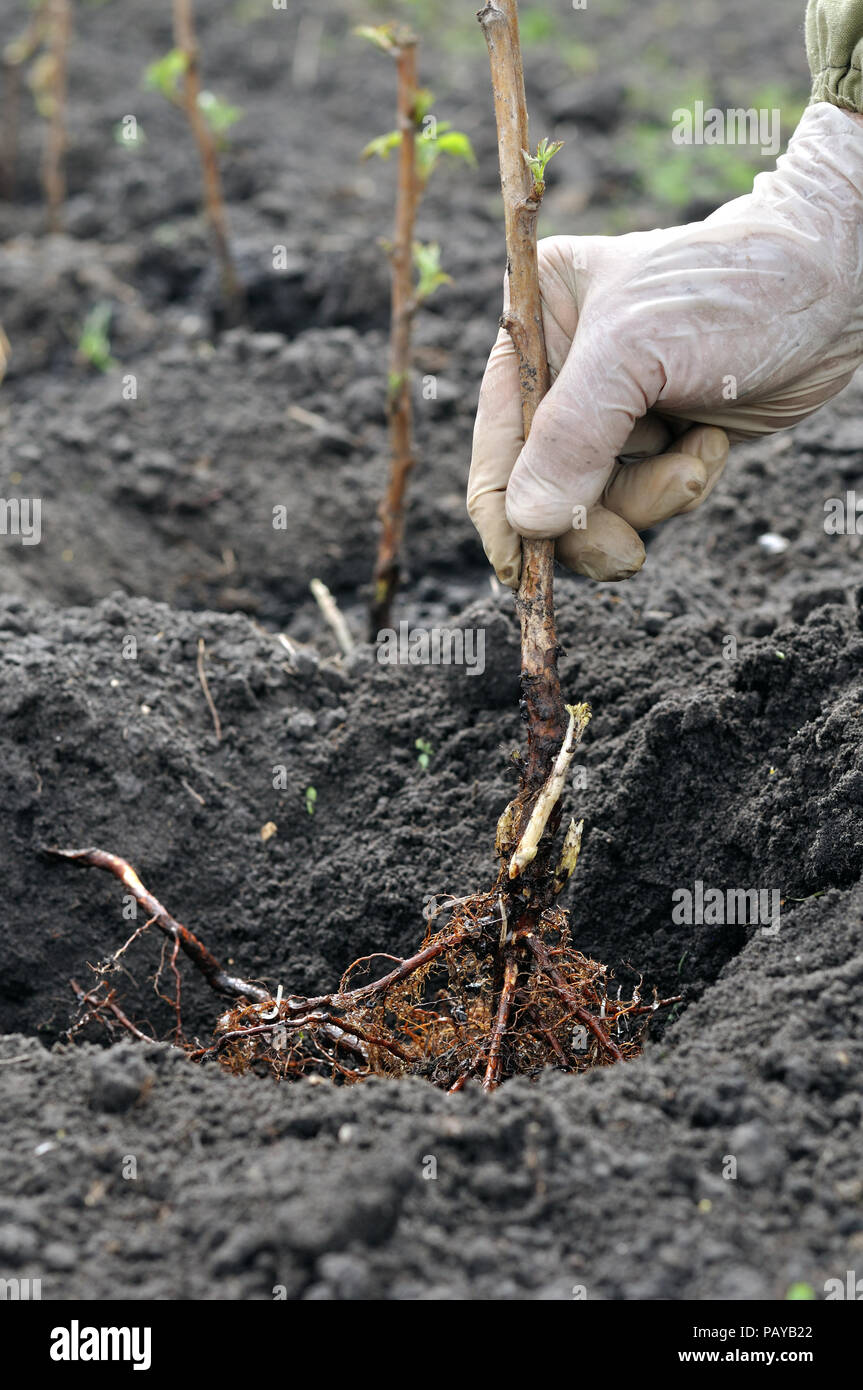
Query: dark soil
{"points": [[737, 766]]}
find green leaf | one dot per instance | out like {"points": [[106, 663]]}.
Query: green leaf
{"points": [[430, 276], [382, 145], [382, 35], [799, 1292], [423, 103], [457, 144], [218, 114], [429, 148], [536, 25], [311, 800], [425, 752], [427, 152], [94, 345], [164, 75]]}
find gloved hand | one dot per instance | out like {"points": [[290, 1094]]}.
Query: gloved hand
{"points": [[702, 335]]}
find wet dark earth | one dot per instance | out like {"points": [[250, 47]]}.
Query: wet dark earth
{"points": [[726, 682]]}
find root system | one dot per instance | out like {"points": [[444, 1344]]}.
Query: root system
{"points": [[487, 995], [441, 1015]]}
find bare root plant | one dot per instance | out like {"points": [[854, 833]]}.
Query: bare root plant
{"points": [[496, 988]]}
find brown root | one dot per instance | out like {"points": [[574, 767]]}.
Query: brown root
{"points": [[439, 1015]]}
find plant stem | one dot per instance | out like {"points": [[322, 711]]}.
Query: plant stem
{"points": [[11, 102], [403, 306], [542, 704], [53, 172], [15, 55], [214, 204]]}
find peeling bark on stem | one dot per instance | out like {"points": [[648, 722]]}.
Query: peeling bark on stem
{"points": [[551, 793], [403, 306]]}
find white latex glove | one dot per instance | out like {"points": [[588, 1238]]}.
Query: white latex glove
{"points": [[647, 334]]}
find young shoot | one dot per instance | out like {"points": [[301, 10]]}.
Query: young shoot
{"points": [[165, 76], [386, 37], [537, 163], [219, 115], [433, 138], [429, 274], [94, 344]]}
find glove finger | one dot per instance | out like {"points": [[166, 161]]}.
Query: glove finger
{"points": [[497, 444], [713, 452], [606, 548], [649, 492], [650, 436]]}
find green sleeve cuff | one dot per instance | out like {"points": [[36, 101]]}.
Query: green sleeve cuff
{"points": [[834, 44]]}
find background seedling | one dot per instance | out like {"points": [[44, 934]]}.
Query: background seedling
{"points": [[16, 55], [177, 76], [52, 94], [94, 344], [800, 1292], [420, 141], [44, 45], [424, 751]]}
